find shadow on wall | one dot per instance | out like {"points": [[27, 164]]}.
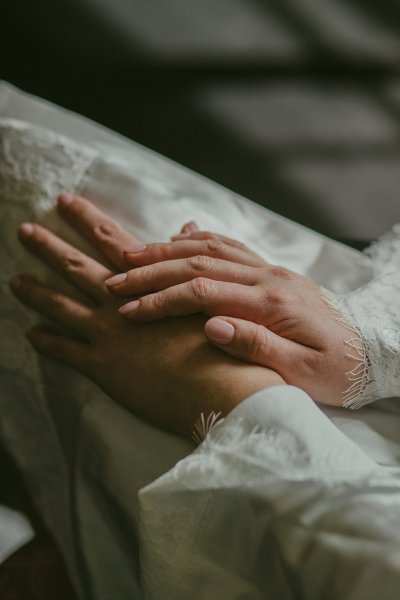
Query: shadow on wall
{"points": [[293, 103]]}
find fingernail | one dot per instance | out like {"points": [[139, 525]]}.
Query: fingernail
{"points": [[25, 230], [180, 236], [131, 306], [15, 282], [220, 331], [116, 279], [65, 199], [192, 226], [135, 248]]}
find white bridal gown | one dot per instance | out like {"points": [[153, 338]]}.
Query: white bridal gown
{"points": [[283, 500]]}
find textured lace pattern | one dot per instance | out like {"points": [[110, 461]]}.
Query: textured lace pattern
{"points": [[385, 252], [35, 166], [375, 311]]}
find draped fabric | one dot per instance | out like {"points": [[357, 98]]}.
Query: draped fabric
{"points": [[283, 500]]}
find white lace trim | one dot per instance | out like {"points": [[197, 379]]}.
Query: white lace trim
{"points": [[375, 311], [202, 426], [385, 252], [359, 375]]}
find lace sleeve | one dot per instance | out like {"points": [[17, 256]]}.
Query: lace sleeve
{"points": [[385, 252], [375, 310]]}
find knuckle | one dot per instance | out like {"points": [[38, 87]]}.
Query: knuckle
{"points": [[156, 302], [106, 230], [142, 274], [202, 288], [281, 273], [200, 263], [259, 343], [274, 297], [214, 246], [162, 251], [72, 261]]}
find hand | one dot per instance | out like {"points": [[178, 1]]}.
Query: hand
{"points": [[164, 372], [261, 313]]}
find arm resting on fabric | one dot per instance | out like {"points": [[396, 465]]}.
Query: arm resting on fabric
{"points": [[273, 497]]}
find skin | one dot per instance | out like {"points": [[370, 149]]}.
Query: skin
{"points": [[261, 313], [164, 372]]}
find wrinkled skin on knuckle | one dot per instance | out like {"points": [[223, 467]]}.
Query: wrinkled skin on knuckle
{"points": [[281, 273], [214, 246], [156, 303], [144, 275], [259, 345], [274, 297], [202, 289], [106, 231], [72, 262], [200, 263]]}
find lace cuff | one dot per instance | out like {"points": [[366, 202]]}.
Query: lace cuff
{"points": [[374, 311], [385, 252]]}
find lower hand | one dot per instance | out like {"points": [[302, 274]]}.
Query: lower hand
{"points": [[164, 372]]}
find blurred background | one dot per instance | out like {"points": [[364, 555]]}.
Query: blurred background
{"points": [[293, 103]]}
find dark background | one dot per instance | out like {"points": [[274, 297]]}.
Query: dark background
{"points": [[292, 103]]}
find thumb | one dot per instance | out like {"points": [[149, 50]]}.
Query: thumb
{"points": [[254, 343]]}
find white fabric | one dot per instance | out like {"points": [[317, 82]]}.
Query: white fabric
{"points": [[373, 310], [283, 501]]}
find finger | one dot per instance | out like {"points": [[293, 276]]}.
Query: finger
{"points": [[70, 353], [75, 266], [208, 235], [101, 231], [190, 227], [186, 231], [199, 295], [256, 344], [214, 247], [56, 306], [160, 276]]}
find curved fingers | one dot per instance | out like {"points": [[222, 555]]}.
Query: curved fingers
{"points": [[101, 231], [56, 306], [64, 350], [257, 344], [213, 247], [72, 264], [160, 276], [198, 295]]}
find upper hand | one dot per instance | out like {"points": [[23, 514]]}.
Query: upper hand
{"points": [[261, 313]]}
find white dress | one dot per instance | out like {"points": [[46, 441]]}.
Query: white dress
{"points": [[280, 501]]}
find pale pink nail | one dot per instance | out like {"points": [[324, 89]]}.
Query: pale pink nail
{"points": [[192, 226], [116, 279], [65, 199], [135, 248], [25, 230], [220, 331], [130, 307]]}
